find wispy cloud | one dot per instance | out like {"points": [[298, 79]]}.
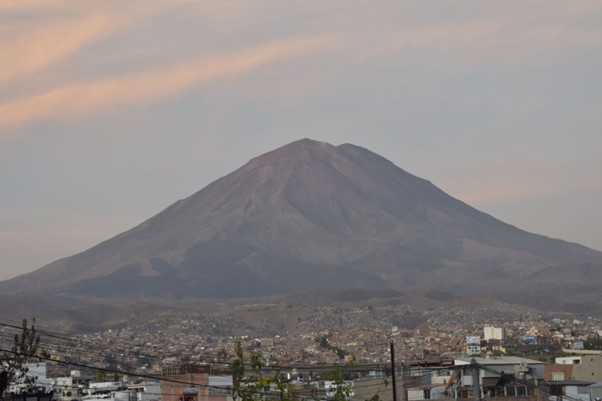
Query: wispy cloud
{"points": [[48, 44], [76, 100], [19, 5], [35, 44], [501, 35]]}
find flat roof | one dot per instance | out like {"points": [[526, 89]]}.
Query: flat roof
{"points": [[569, 383], [499, 360]]}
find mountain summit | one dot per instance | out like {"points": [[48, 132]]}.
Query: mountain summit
{"points": [[312, 215]]}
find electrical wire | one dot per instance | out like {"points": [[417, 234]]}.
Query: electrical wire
{"points": [[155, 378], [101, 350]]}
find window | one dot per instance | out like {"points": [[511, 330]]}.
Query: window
{"points": [[557, 375]]}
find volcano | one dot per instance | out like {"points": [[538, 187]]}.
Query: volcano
{"points": [[310, 215]]}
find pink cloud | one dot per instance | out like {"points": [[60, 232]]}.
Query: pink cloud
{"points": [[48, 44], [76, 100], [32, 46]]}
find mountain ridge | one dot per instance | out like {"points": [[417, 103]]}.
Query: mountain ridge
{"points": [[312, 215]]}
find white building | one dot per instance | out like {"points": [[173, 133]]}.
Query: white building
{"points": [[425, 392], [148, 391], [37, 373], [491, 333], [473, 349], [568, 360]]}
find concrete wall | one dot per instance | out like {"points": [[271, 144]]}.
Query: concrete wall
{"points": [[364, 389], [590, 368]]}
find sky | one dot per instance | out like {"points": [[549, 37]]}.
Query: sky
{"points": [[110, 111]]}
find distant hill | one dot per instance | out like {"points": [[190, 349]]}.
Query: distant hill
{"points": [[310, 216]]}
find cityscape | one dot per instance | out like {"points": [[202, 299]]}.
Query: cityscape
{"points": [[141, 360], [266, 200]]}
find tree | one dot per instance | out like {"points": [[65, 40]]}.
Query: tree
{"points": [[238, 370], [255, 386], [340, 389], [250, 388], [24, 351]]}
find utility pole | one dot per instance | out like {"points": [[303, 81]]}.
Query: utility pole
{"points": [[393, 378], [475, 379]]}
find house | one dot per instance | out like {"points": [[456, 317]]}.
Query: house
{"points": [[496, 376], [585, 367], [146, 391], [193, 383], [572, 389], [558, 372], [425, 392], [366, 388], [595, 391], [473, 349]]}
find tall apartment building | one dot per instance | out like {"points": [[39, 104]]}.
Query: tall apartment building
{"points": [[491, 333]]}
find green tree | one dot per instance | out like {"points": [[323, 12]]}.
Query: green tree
{"points": [[23, 352], [247, 388], [340, 389], [238, 370], [255, 386], [281, 385]]}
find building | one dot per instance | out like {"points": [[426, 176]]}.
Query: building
{"points": [[572, 389], [504, 376], [473, 350], [193, 383], [366, 388], [491, 333], [425, 392], [146, 391], [595, 391], [558, 372], [36, 371], [585, 367]]}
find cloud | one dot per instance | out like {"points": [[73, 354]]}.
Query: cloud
{"points": [[19, 5], [500, 35], [536, 186], [35, 44], [48, 44], [77, 100]]}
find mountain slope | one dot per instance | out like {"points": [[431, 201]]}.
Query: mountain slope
{"points": [[312, 215]]}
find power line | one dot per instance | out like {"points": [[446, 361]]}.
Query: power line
{"points": [[109, 370], [98, 350], [155, 378], [101, 350]]}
